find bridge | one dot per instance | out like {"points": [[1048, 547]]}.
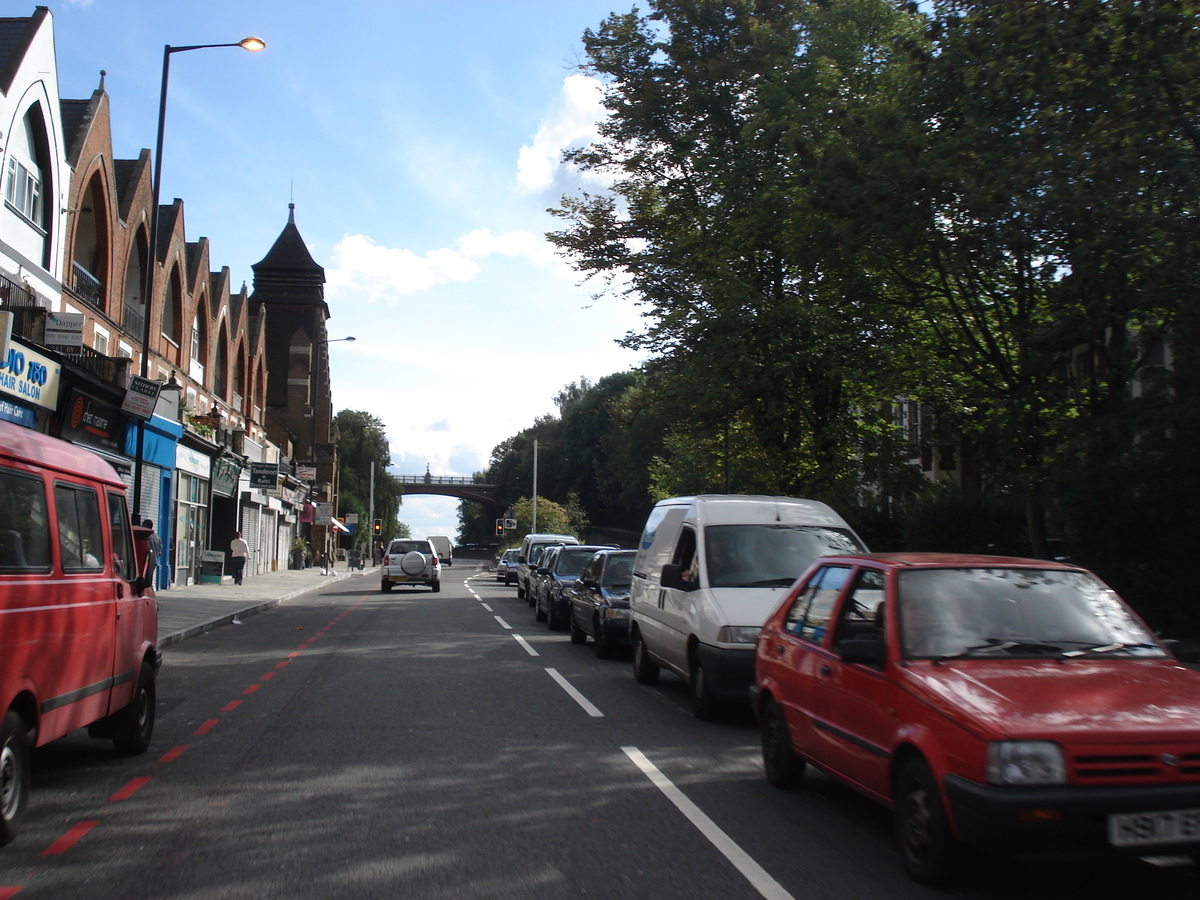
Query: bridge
{"points": [[475, 488]]}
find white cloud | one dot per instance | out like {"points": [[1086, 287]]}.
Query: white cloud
{"points": [[373, 272], [571, 123]]}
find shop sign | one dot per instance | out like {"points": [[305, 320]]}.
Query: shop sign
{"points": [[306, 473], [29, 376], [324, 514], [188, 460], [25, 416], [88, 421], [225, 476], [264, 476]]}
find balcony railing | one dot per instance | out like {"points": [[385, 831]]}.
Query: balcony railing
{"points": [[87, 285], [114, 369], [133, 322], [13, 294]]}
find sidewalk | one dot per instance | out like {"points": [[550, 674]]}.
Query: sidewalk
{"points": [[184, 612]]}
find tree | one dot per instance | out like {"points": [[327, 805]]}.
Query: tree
{"points": [[362, 442], [711, 225]]}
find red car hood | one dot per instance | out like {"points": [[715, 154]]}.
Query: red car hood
{"points": [[1094, 701]]}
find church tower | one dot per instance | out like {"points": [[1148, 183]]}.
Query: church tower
{"points": [[289, 300]]}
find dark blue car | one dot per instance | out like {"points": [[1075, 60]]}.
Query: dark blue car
{"points": [[600, 601]]}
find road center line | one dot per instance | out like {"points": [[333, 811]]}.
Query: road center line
{"points": [[575, 695], [485, 606], [503, 624], [762, 882], [524, 643]]}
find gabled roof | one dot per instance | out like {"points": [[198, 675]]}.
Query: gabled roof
{"points": [[16, 35]]}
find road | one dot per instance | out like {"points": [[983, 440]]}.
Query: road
{"points": [[353, 744]]}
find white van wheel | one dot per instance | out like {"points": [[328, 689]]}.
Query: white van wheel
{"points": [[14, 776], [645, 670], [704, 704]]}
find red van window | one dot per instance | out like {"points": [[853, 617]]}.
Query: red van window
{"points": [[80, 535], [122, 540], [24, 525]]}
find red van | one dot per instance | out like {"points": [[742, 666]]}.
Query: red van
{"points": [[78, 618]]}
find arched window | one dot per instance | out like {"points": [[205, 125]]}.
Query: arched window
{"points": [[133, 316], [89, 255], [221, 366], [172, 315]]}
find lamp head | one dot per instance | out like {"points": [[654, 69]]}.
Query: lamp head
{"points": [[252, 44]]}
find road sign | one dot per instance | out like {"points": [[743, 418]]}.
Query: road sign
{"points": [[510, 524]]}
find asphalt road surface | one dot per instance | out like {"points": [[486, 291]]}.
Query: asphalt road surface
{"points": [[354, 744]]}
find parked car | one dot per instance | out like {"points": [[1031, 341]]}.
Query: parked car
{"points": [[551, 604], [532, 546], [539, 575], [1006, 704], [506, 566], [410, 562], [709, 570], [78, 645], [599, 601]]}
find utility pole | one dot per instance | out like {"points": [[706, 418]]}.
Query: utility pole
{"points": [[533, 524]]}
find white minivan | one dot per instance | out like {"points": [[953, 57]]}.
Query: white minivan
{"points": [[709, 570], [444, 547]]}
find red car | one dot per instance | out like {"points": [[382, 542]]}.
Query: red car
{"points": [[1011, 705]]}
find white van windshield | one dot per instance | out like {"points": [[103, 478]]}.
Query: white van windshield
{"points": [[773, 555]]}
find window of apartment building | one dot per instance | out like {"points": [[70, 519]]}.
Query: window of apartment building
{"points": [[101, 340], [23, 189], [196, 353]]}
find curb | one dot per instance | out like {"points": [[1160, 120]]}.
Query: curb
{"points": [[192, 630]]}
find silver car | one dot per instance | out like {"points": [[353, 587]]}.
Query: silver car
{"points": [[410, 562], [506, 566]]}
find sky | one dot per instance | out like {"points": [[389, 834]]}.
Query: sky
{"points": [[421, 143]]}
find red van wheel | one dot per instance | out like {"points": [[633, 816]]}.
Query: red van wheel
{"points": [[14, 776], [138, 725]]}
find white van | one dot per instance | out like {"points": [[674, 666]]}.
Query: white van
{"points": [[709, 570], [443, 547]]}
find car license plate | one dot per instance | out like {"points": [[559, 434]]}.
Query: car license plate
{"points": [[1168, 827]]}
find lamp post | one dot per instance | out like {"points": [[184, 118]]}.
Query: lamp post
{"points": [[253, 45]]}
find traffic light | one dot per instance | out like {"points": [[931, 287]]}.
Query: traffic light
{"points": [[377, 527], [499, 527]]}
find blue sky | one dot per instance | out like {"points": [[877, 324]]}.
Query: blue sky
{"points": [[420, 142]]}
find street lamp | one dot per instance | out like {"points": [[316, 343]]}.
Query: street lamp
{"points": [[335, 340], [252, 44]]}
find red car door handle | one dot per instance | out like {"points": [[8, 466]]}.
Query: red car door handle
{"points": [[780, 649], [825, 670]]}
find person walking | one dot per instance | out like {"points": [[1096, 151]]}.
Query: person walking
{"points": [[154, 554], [240, 551]]}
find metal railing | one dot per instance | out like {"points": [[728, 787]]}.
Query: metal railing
{"points": [[13, 294], [87, 285], [439, 479]]}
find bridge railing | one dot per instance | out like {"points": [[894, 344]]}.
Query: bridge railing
{"points": [[442, 479]]}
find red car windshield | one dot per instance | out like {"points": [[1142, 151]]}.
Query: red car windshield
{"points": [[947, 613]]}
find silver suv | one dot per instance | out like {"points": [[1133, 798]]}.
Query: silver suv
{"points": [[410, 562]]}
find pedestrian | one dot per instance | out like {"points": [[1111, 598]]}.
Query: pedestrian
{"points": [[240, 551], [154, 553]]}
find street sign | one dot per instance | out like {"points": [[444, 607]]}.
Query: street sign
{"points": [[351, 518], [141, 396], [510, 524]]}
